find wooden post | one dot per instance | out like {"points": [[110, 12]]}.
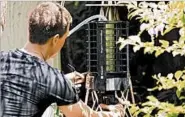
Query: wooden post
{"points": [[3, 5], [15, 32]]}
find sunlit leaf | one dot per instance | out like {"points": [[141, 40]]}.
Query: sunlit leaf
{"points": [[183, 77], [136, 48], [157, 53], [152, 89], [147, 49], [170, 76], [164, 43], [147, 115], [134, 13], [178, 93], [183, 16], [182, 97], [178, 74], [161, 114], [122, 46], [164, 16], [175, 53], [172, 115], [135, 38], [152, 98]]}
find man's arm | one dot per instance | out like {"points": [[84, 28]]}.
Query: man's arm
{"points": [[75, 77], [80, 109]]}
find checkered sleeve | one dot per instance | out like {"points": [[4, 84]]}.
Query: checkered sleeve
{"points": [[61, 89]]}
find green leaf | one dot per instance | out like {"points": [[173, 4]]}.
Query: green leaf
{"points": [[76, 3], [152, 89], [175, 42], [134, 109], [172, 115], [175, 53], [183, 17], [135, 13], [152, 98], [147, 49], [136, 48], [183, 77], [170, 75], [161, 113], [178, 74], [157, 53], [135, 38], [147, 115], [122, 46], [182, 97], [178, 93], [164, 43], [168, 30], [122, 42]]}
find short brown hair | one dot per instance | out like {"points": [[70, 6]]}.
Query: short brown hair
{"points": [[47, 20]]}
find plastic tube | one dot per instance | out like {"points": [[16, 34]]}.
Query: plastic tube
{"points": [[86, 21]]}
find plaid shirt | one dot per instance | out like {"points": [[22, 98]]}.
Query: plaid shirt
{"points": [[29, 85]]}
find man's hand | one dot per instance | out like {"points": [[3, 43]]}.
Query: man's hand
{"points": [[76, 77], [118, 109], [80, 109]]}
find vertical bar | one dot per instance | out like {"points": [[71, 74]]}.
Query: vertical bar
{"points": [[100, 82], [117, 49], [101, 53], [127, 34], [89, 47]]}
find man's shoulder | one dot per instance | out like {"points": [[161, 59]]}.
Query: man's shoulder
{"points": [[5, 54], [54, 71]]}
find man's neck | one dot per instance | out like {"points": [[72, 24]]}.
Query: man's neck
{"points": [[36, 50]]}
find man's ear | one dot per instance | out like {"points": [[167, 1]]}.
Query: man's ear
{"points": [[55, 39]]}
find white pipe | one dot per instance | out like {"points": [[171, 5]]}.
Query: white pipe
{"points": [[86, 21]]}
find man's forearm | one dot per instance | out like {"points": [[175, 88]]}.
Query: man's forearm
{"points": [[80, 109], [103, 114]]}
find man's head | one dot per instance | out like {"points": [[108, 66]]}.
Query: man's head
{"points": [[49, 25]]}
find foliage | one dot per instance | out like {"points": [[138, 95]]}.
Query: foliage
{"points": [[165, 109], [159, 18]]}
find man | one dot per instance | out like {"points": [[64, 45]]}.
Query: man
{"points": [[28, 84]]}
